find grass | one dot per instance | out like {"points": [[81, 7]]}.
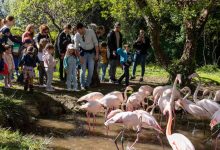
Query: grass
{"points": [[11, 109], [14, 140]]}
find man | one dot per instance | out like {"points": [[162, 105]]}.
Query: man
{"points": [[86, 42], [141, 45], [114, 41], [64, 39]]}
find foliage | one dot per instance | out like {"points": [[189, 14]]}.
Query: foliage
{"points": [[14, 140]]}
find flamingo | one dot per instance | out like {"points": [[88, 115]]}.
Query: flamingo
{"points": [[120, 95], [176, 140], [217, 96], [128, 120], [214, 122], [136, 119], [207, 104], [135, 100], [157, 94], [92, 107], [91, 97], [147, 90], [193, 109]]}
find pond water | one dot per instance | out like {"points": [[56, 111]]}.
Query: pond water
{"points": [[70, 132]]}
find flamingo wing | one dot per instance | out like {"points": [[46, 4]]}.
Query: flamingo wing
{"points": [[180, 142]]}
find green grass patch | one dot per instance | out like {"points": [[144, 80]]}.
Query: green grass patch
{"points": [[14, 140]]}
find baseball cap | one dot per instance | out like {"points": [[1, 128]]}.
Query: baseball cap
{"points": [[71, 46]]}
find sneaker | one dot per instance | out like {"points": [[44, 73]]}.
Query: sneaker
{"points": [[132, 77], [6, 87], [83, 88], [141, 80], [50, 90], [42, 85], [111, 81], [69, 89], [76, 90]]}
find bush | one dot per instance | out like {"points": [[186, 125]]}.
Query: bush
{"points": [[209, 69]]}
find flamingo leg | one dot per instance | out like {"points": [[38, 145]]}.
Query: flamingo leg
{"points": [[216, 141], [93, 122], [117, 139], [106, 113], [88, 119], [122, 139], [138, 133], [160, 140]]}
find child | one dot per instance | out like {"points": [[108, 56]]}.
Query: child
{"points": [[8, 59], [70, 66], [28, 63], [49, 64], [103, 60], [42, 73], [125, 60]]}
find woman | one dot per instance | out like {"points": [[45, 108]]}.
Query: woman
{"points": [[44, 33], [29, 33]]}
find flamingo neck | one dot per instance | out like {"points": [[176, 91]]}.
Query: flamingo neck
{"points": [[173, 90], [125, 95], [210, 95], [188, 94], [196, 92], [169, 123]]}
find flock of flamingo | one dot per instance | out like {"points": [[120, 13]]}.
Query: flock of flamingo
{"points": [[130, 111]]}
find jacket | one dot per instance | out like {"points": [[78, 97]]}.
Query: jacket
{"points": [[125, 57], [141, 48], [29, 61], [63, 40], [112, 43]]}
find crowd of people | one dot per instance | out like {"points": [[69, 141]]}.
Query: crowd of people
{"points": [[80, 49]]}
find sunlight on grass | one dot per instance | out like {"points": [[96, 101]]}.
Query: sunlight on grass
{"points": [[14, 140]]}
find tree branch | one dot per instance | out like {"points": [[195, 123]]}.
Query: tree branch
{"points": [[202, 19]]}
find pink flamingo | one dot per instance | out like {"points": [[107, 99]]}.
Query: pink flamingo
{"points": [[217, 96], [120, 94], [91, 97], [92, 107], [195, 110], [207, 104], [128, 120], [147, 90], [176, 140], [135, 100], [214, 122]]}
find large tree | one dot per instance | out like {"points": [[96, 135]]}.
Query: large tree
{"points": [[190, 16]]}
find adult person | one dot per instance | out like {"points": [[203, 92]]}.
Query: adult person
{"points": [[29, 33], [141, 46], [64, 39], [114, 41], [8, 38], [86, 42], [43, 33]]}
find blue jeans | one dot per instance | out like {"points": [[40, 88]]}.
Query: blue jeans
{"points": [[139, 58], [89, 60], [103, 67], [71, 73]]}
